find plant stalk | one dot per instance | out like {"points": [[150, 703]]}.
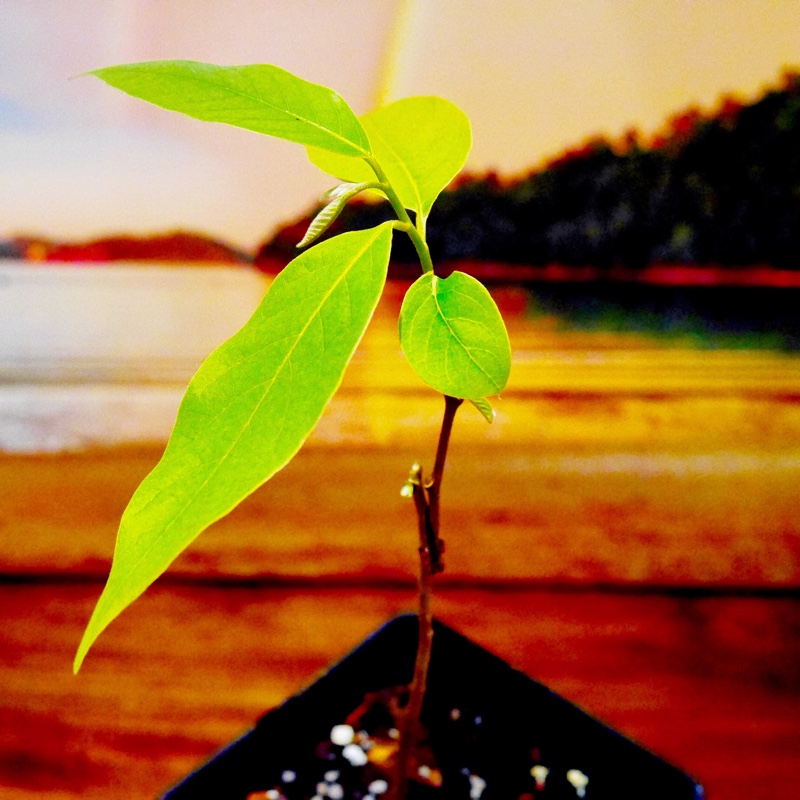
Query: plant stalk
{"points": [[433, 485], [431, 547], [416, 235]]}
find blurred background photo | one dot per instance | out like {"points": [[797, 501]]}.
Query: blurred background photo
{"points": [[535, 78], [626, 530]]}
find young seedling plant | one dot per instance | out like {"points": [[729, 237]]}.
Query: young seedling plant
{"points": [[256, 399]]}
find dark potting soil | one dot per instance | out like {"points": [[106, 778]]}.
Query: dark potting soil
{"points": [[490, 733], [458, 761]]}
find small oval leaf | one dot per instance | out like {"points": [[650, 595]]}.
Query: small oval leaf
{"points": [[454, 337], [248, 409], [421, 144], [259, 97], [485, 407], [340, 196]]}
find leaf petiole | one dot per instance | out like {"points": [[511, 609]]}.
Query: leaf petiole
{"points": [[417, 237]]}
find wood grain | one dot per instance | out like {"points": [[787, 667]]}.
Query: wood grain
{"points": [[665, 476], [712, 684], [614, 458], [722, 518], [567, 389]]}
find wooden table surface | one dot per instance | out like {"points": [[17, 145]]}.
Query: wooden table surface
{"points": [[711, 683], [627, 532]]}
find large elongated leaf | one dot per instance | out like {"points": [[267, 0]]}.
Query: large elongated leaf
{"points": [[420, 142], [454, 337], [260, 97], [248, 409]]}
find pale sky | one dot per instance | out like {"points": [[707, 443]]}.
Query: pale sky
{"points": [[535, 76]]}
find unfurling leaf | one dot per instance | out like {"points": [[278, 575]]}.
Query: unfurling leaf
{"points": [[339, 197], [259, 97], [454, 337], [337, 191], [485, 407], [420, 142], [248, 409]]}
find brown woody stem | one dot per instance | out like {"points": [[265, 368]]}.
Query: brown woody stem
{"points": [[426, 503], [433, 485]]}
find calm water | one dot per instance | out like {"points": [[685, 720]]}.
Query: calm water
{"points": [[715, 317]]}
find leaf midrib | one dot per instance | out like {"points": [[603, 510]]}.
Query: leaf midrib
{"points": [[467, 350]]}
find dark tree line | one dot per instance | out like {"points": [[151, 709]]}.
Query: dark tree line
{"points": [[720, 189]]}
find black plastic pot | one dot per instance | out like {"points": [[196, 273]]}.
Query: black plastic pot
{"points": [[504, 725]]}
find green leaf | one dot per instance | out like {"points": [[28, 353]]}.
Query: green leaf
{"points": [[248, 409], [258, 97], [485, 407], [421, 144], [454, 337], [339, 197]]}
